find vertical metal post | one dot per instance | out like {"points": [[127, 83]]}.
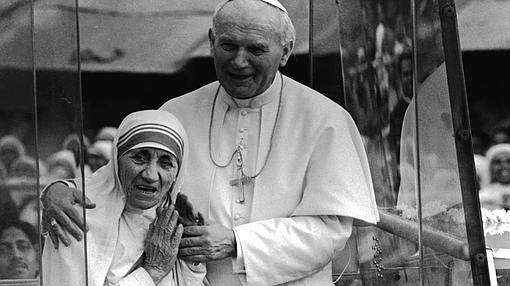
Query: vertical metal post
{"points": [[36, 157], [461, 126], [79, 122], [416, 151], [310, 43]]}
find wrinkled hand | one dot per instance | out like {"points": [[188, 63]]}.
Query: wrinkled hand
{"points": [[206, 243], [58, 201], [162, 243], [187, 216]]}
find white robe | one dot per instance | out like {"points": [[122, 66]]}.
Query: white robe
{"points": [[115, 240], [299, 210]]}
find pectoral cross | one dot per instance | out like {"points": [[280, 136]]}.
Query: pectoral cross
{"points": [[241, 176]]}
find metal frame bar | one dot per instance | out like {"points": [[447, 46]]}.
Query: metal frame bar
{"points": [[310, 44], [461, 126]]}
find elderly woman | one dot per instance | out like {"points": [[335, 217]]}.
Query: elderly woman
{"points": [[131, 191], [497, 193]]}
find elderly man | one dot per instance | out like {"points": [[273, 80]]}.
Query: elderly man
{"points": [[277, 169]]}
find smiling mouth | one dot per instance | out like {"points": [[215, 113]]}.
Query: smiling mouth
{"points": [[239, 76], [146, 189]]}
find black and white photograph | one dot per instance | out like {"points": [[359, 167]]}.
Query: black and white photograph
{"points": [[254, 142]]}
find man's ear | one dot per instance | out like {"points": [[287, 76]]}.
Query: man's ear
{"points": [[287, 51], [211, 41]]}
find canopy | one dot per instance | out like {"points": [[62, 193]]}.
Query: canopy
{"points": [[117, 35], [161, 35], [484, 25]]}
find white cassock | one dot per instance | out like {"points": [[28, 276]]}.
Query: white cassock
{"points": [[298, 211]]}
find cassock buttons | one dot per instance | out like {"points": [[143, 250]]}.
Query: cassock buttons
{"points": [[242, 130], [244, 112], [237, 217]]}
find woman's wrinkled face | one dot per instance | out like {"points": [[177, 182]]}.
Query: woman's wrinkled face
{"points": [[500, 168], [146, 175]]}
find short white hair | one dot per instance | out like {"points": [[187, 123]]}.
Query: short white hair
{"points": [[287, 32]]}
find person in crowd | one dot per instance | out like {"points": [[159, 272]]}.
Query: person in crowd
{"points": [[134, 190], [496, 194], [18, 250], [278, 170], [62, 165], [99, 154], [26, 167], [11, 148], [404, 95], [106, 133]]}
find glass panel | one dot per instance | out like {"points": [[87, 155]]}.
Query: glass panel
{"points": [[58, 90], [19, 167], [377, 70]]}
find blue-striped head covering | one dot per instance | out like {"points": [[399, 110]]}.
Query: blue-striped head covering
{"points": [[151, 128]]}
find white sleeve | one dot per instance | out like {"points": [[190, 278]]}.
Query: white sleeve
{"points": [[139, 277], [63, 266], [188, 274], [291, 248], [70, 183]]}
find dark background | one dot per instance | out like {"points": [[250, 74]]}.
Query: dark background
{"points": [[108, 96], [486, 77]]}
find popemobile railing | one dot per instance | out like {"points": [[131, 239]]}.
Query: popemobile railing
{"points": [[397, 70], [402, 81]]}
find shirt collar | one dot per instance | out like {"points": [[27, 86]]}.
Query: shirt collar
{"points": [[270, 94]]}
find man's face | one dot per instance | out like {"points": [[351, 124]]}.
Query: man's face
{"points": [[146, 174], [18, 259], [247, 52], [500, 169]]}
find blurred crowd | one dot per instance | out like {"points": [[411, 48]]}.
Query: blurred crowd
{"points": [[377, 56], [377, 59], [20, 176]]}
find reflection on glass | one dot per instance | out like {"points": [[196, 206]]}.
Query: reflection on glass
{"points": [[377, 62], [19, 166], [23, 163]]}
